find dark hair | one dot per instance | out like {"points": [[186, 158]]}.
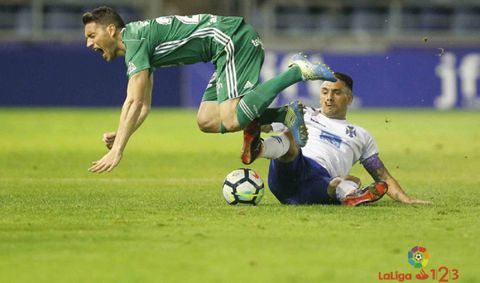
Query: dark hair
{"points": [[103, 15], [345, 78]]}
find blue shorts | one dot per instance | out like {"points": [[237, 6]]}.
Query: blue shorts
{"points": [[302, 181]]}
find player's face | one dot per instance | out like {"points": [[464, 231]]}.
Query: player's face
{"points": [[100, 38], [334, 99]]}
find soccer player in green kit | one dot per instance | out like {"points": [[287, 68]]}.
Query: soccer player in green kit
{"points": [[233, 98]]}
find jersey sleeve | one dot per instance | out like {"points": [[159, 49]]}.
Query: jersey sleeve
{"points": [[137, 57], [370, 147]]}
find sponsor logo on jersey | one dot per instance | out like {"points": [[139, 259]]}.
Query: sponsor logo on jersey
{"points": [[164, 20], [131, 67], [143, 23], [257, 42], [213, 19], [219, 87], [351, 131], [331, 138]]}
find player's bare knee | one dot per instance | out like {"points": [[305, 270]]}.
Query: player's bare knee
{"points": [[230, 124], [205, 125], [208, 117], [229, 121], [228, 115]]}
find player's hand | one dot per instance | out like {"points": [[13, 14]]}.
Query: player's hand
{"points": [[107, 163], [109, 138], [419, 201]]}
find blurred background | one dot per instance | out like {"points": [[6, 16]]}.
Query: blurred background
{"points": [[401, 53]]}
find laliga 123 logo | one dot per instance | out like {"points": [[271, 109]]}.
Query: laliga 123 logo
{"points": [[418, 257]]}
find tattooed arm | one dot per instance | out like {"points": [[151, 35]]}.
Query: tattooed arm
{"points": [[379, 172]]}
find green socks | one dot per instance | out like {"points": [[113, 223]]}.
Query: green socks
{"points": [[273, 115], [254, 103]]}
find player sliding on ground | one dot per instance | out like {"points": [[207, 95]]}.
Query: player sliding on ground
{"points": [[233, 97], [318, 172]]}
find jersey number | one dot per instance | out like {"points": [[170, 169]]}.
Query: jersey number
{"points": [[189, 20]]}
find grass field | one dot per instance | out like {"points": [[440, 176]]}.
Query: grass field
{"points": [[160, 216]]}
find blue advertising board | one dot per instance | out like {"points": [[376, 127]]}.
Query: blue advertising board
{"points": [[400, 77], [59, 74]]}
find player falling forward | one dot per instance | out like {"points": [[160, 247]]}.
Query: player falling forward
{"points": [[318, 172], [233, 97]]}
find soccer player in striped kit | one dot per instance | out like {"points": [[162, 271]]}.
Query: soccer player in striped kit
{"points": [[233, 98], [319, 172]]}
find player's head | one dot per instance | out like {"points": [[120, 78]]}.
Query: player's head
{"points": [[102, 29], [335, 97]]}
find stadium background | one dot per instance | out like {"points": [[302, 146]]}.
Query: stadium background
{"points": [[400, 53], [160, 216]]}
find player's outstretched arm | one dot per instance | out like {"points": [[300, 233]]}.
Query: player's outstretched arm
{"points": [[130, 119], [109, 138], [147, 103], [379, 172]]}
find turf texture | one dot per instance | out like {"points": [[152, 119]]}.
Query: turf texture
{"points": [[160, 216]]}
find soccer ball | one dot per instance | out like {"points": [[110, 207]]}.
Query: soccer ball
{"points": [[418, 257], [243, 186]]}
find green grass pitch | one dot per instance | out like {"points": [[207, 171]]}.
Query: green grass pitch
{"points": [[161, 217]]}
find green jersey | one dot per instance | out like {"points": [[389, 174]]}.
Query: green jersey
{"points": [[176, 40]]}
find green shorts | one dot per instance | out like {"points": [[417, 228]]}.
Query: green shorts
{"points": [[237, 74]]}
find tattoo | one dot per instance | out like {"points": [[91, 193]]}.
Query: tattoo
{"points": [[374, 167]]}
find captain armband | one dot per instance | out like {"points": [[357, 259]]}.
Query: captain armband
{"points": [[372, 164]]}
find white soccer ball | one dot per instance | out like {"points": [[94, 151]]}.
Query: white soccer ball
{"points": [[243, 186]]}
